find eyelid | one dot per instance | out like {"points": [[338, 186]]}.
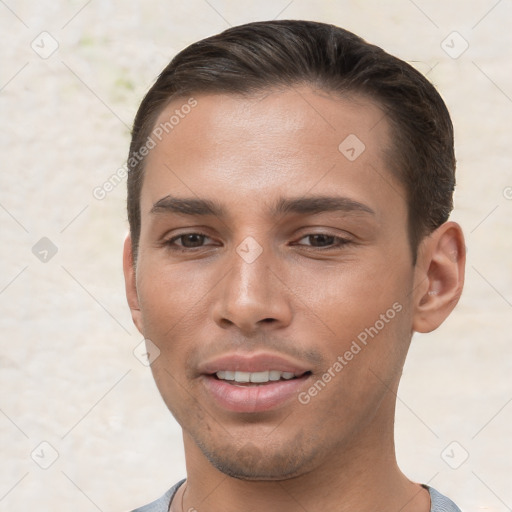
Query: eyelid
{"points": [[170, 241], [339, 241]]}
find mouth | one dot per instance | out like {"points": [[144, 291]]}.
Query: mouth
{"points": [[265, 377], [254, 392], [253, 382]]}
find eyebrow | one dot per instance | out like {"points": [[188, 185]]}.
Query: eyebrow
{"points": [[319, 204], [283, 206]]}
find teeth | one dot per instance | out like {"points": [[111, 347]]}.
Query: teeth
{"points": [[274, 375], [259, 376], [256, 377], [242, 377], [226, 375]]}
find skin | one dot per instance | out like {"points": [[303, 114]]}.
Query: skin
{"points": [[335, 453]]}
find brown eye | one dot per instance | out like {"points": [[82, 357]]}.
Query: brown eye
{"points": [[192, 239], [186, 241], [320, 240], [324, 241]]}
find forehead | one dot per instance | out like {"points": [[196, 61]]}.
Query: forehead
{"points": [[275, 115], [244, 147]]}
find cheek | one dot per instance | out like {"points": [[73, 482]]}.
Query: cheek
{"points": [[169, 295], [175, 302], [171, 300], [365, 312], [348, 299]]}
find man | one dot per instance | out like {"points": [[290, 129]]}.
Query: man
{"points": [[288, 199]]}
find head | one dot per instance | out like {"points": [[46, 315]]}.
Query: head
{"points": [[250, 142], [261, 56]]}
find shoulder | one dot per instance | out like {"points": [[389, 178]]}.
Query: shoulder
{"points": [[161, 504], [440, 503]]}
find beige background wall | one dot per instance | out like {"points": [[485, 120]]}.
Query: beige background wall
{"points": [[68, 375]]}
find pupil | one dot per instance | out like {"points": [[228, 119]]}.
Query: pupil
{"points": [[322, 238], [194, 238]]}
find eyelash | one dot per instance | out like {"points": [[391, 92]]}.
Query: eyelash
{"points": [[338, 242]]}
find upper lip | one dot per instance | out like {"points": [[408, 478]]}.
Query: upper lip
{"points": [[253, 362]]}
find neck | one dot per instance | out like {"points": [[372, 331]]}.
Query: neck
{"points": [[361, 474]]}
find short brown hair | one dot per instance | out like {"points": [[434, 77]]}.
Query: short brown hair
{"points": [[256, 56]]}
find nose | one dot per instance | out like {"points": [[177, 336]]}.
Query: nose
{"points": [[253, 295]]}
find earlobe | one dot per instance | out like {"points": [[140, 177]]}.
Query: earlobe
{"points": [[130, 281], [439, 276]]}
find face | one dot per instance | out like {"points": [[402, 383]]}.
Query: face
{"points": [[274, 275]]}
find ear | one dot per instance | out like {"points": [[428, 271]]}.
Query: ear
{"points": [[130, 282], [439, 276]]}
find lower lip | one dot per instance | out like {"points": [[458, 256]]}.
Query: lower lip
{"points": [[256, 398]]}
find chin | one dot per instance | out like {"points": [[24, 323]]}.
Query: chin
{"points": [[255, 464]]}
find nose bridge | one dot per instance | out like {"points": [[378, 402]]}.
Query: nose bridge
{"points": [[250, 269], [249, 274], [251, 293]]}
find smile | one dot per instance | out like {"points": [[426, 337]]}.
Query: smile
{"points": [[255, 377], [253, 392], [253, 382]]}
